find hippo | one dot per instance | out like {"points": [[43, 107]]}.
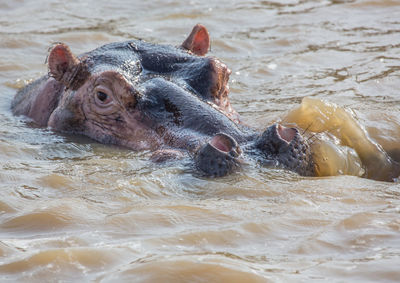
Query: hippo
{"points": [[170, 100]]}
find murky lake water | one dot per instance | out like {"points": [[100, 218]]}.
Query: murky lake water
{"points": [[74, 210]]}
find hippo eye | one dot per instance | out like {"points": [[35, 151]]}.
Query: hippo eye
{"points": [[102, 96]]}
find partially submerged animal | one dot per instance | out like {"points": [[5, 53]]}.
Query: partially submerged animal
{"points": [[170, 100]]}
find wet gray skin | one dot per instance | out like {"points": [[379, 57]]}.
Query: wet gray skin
{"points": [[170, 100]]}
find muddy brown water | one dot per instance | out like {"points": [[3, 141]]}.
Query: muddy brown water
{"points": [[74, 210]]}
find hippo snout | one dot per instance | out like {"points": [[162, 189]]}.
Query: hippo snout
{"points": [[287, 147], [218, 157]]}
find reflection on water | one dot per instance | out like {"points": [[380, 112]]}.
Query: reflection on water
{"points": [[72, 209]]}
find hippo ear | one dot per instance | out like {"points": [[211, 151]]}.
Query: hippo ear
{"points": [[65, 67], [198, 40]]}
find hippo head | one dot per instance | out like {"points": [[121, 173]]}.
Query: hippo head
{"points": [[157, 97], [142, 95]]}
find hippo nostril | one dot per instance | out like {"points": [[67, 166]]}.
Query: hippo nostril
{"points": [[219, 156], [222, 143], [286, 134]]}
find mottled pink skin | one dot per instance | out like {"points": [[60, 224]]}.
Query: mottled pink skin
{"points": [[39, 101], [49, 104], [113, 121]]}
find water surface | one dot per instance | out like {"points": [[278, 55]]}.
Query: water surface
{"points": [[73, 210]]}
